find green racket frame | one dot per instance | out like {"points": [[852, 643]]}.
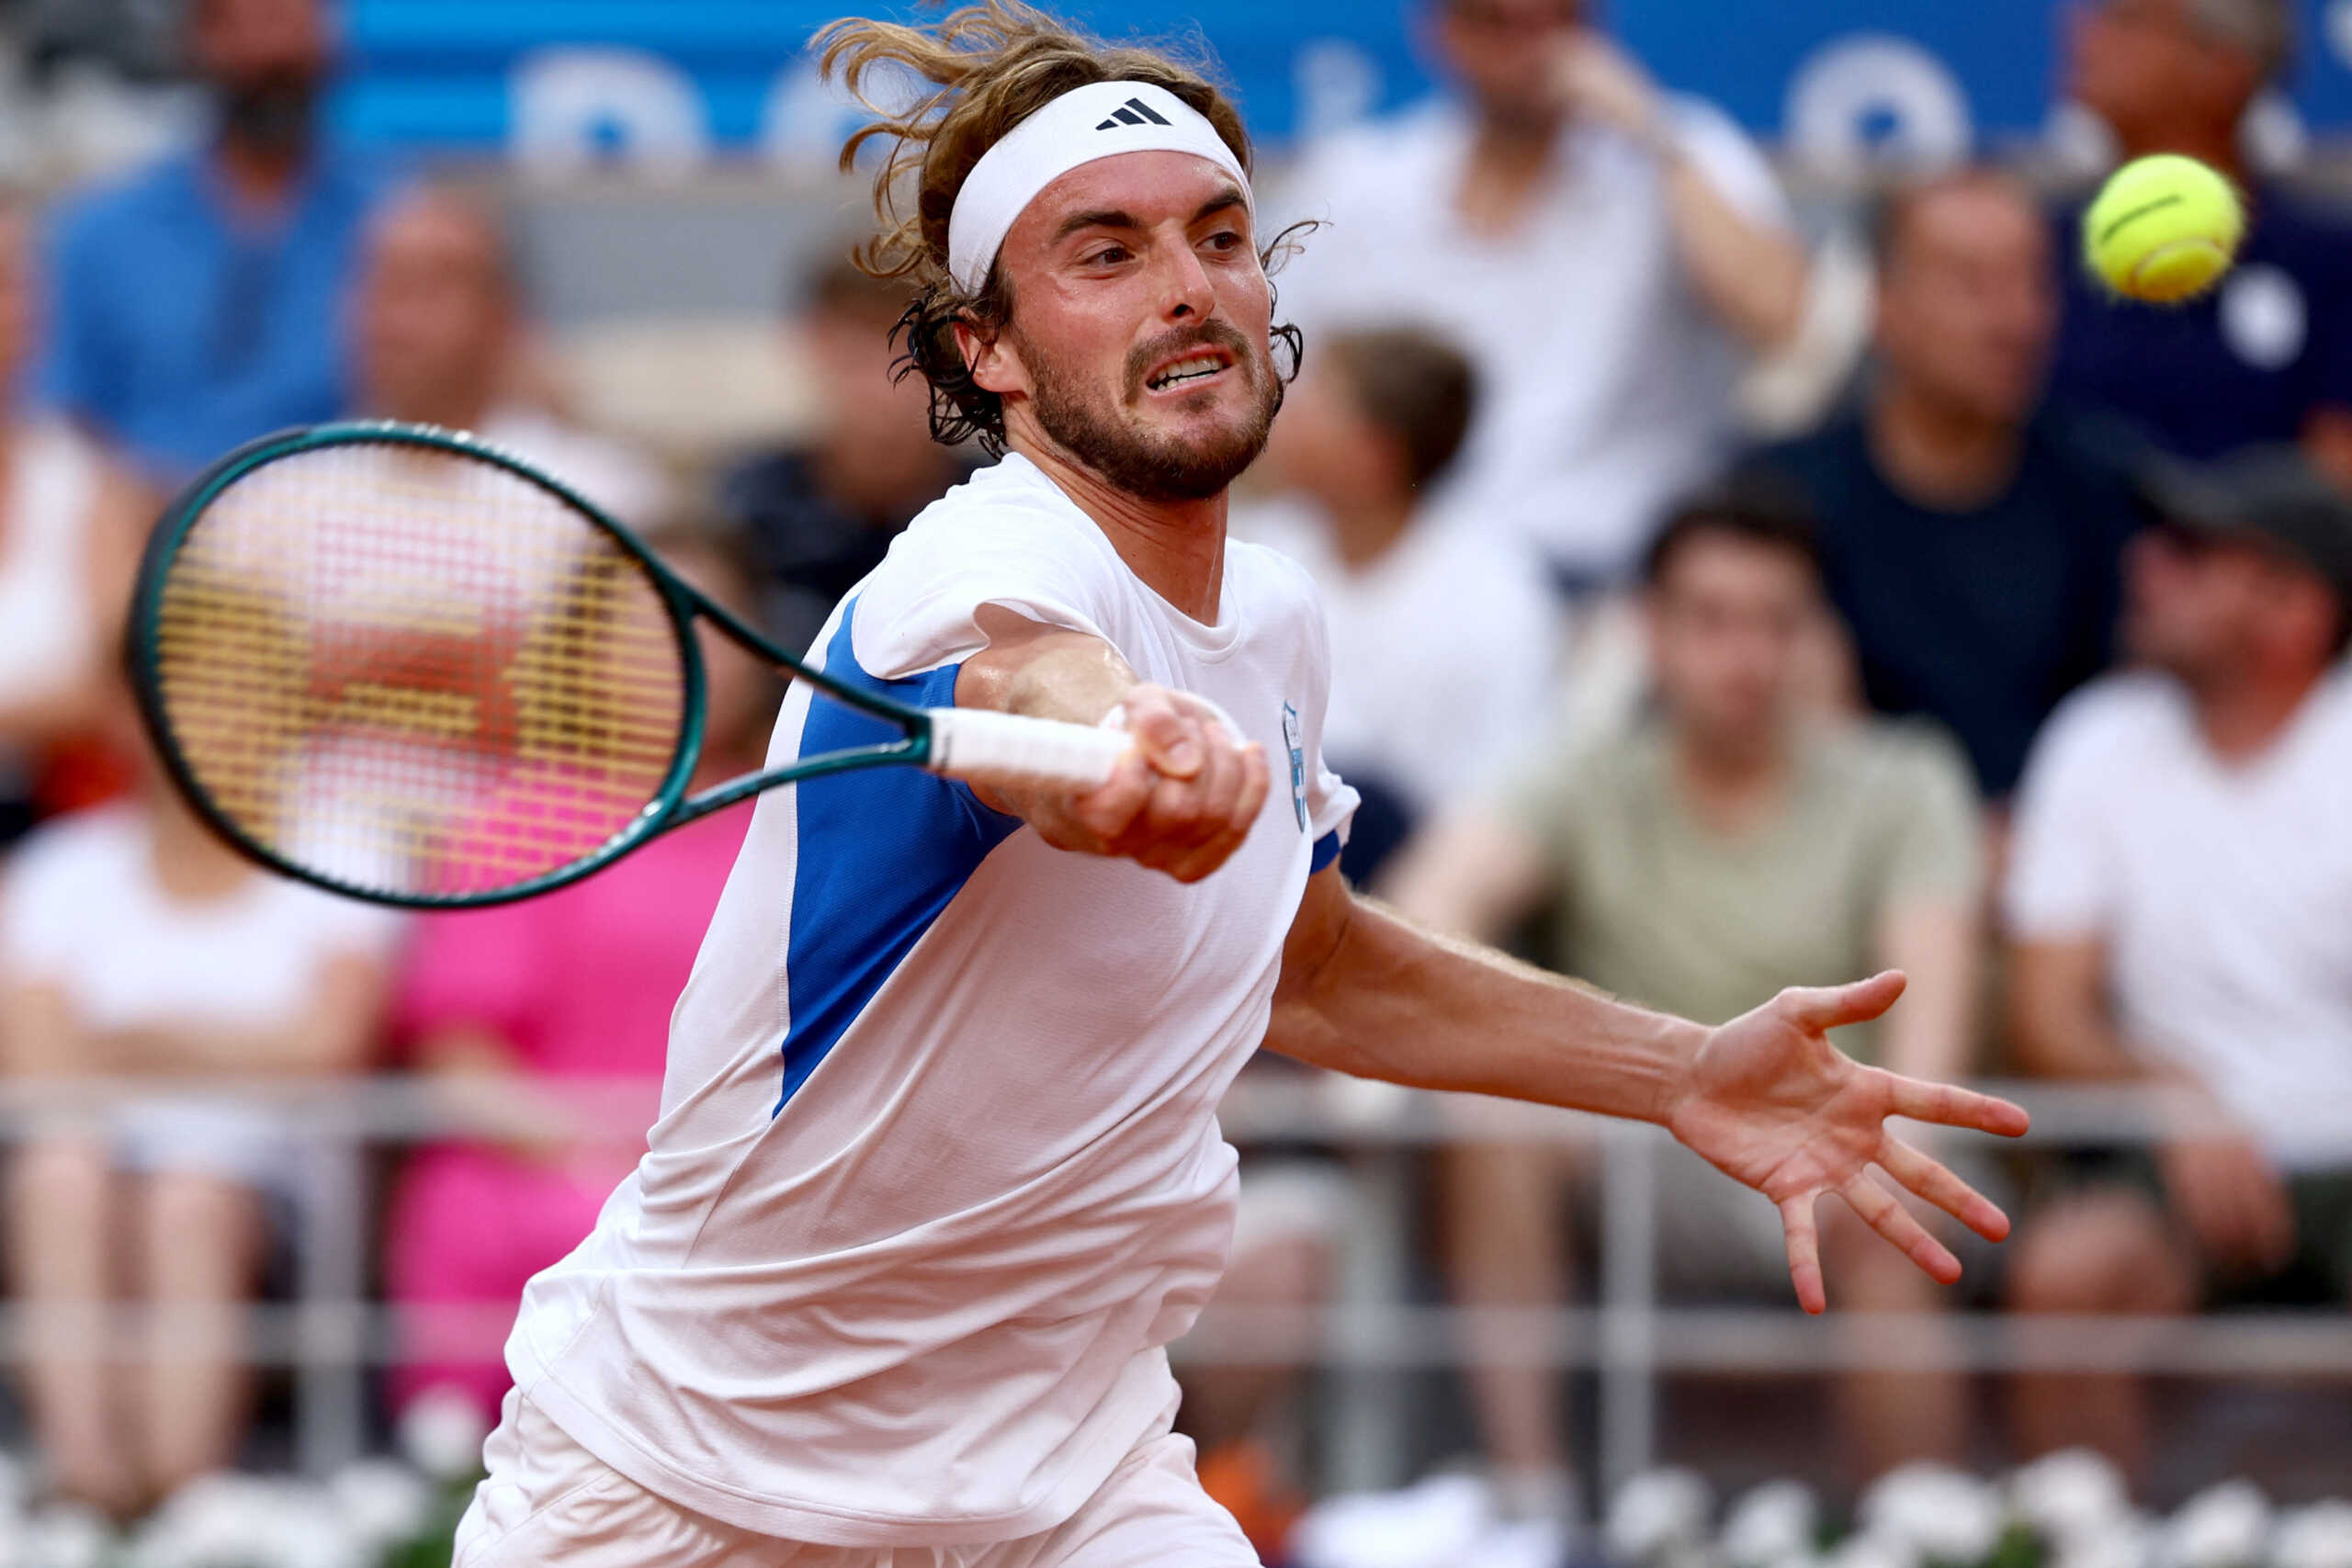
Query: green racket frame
{"points": [[672, 807]]}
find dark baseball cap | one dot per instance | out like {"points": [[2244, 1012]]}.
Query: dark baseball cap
{"points": [[2269, 496]]}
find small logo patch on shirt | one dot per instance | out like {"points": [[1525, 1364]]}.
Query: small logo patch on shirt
{"points": [[1297, 764]]}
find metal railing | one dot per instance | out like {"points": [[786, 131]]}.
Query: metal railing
{"points": [[331, 1334]]}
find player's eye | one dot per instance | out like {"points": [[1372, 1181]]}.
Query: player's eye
{"points": [[1225, 241], [1106, 256]]}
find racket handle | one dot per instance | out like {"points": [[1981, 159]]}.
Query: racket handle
{"points": [[985, 747]]}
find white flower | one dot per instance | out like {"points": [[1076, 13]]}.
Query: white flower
{"points": [[2221, 1527], [64, 1535], [441, 1433], [1657, 1513], [382, 1501], [2067, 1496], [1772, 1525], [1941, 1513], [2316, 1537]]}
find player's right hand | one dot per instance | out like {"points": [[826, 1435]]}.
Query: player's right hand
{"points": [[1182, 802]]}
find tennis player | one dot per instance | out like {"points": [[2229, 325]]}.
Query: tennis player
{"points": [[938, 1171]]}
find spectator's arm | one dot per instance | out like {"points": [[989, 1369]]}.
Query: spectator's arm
{"points": [[333, 1034], [112, 536], [483, 1081], [1935, 944], [2059, 1023], [40, 1035], [1750, 270], [1472, 873]]}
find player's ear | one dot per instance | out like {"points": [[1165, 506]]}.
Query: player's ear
{"points": [[994, 362]]}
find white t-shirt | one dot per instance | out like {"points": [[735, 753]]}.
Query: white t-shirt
{"points": [[1604, 383], [938, 1170], [2223, 895], [1444, 652], [46, 639], [80, 909], [606, 472]]}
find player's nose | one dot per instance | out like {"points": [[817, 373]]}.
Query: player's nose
{"points": [[1185, 291]]}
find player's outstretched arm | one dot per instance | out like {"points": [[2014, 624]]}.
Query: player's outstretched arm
{"points": [[1180, 802], [1766, 1098]]}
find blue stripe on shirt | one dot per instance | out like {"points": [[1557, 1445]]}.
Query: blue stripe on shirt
{"points": [[881, 853]]}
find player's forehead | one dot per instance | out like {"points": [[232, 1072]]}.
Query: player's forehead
{"points": [[1141, 188]]}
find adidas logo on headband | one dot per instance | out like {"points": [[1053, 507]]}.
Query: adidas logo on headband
{"points": [[1135, 111]]}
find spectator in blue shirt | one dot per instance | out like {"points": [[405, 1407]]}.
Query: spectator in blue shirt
{"points": [[1971, 537], [2266, 356], [199, 304]]}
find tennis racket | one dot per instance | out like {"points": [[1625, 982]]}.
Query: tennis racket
{"points": [[402, 665]]}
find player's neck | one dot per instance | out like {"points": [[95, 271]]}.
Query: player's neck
{"points": [[1937, 455], [1177, 547]]}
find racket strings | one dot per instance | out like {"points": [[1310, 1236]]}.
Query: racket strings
{"points": [[415, 672]]}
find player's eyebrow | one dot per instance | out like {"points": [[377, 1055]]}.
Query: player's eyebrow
{"points": [[1119, 218], [1101, 218]]}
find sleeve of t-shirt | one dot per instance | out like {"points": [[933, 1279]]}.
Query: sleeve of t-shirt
{"points": [[37, 907], [478, 968], [1729, 162], [75, 377], [919, 610], [2060, 883], [1331, 801], [1937, 852]]}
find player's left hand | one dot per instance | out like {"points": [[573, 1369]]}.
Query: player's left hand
{"points": [[1602, 84], [1769, 1101]]}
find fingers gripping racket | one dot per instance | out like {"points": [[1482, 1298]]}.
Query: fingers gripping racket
{"points": [[402, 665]]}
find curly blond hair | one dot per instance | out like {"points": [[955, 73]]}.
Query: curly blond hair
{"points": [[992, 66]]}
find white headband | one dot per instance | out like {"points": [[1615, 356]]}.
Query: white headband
{"points": [[1100, 120]]}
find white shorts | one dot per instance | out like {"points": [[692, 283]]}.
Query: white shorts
{"points": [[548, 1502]]}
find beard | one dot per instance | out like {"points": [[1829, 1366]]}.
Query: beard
{"points": [[1148, 466], [271, 113]]}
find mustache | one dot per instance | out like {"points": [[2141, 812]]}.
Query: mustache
{"points": [[1208, 335]]}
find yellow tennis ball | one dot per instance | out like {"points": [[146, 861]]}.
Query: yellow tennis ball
{"points": [[2163, 229]]}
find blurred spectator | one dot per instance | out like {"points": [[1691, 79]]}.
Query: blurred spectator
{"points": [[506, 1006], [1443, 638], [1603, 253], [134, 942], [70, 527], [1717, 853], [199, 305], [2267, 355], [2181, 899], [1972, 538], [819, 516], [441, 326]]}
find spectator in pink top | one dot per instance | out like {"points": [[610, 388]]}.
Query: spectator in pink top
{"points": [[517, 1010]]}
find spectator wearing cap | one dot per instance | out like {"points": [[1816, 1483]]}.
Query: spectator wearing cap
{"points": [[2180, 897], [818, 515], [439, 330], [199, 305], [1443, 638], [1607, 253], [1971, 533], [2267, 355], [1727, 846]]}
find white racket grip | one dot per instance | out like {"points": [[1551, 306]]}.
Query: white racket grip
{"points": [[981, 746]]}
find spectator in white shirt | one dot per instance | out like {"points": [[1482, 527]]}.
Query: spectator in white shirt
{"points": [[2180, 896], [1443, 638], [134, 943], [1605, 253], [441, 330]]}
